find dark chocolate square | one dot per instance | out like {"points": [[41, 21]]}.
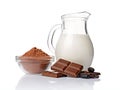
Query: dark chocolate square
{"points": [[63, 62], [71, 72], [73, 69], [60, 65], [76, 66]]}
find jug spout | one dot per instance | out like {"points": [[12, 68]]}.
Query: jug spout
{"points": [[83, 15], [75, 23]]}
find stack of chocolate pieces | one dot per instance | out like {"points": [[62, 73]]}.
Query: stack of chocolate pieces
{"points": [[64, 68]]}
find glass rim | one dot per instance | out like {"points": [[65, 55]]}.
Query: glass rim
{"points": [[34, 59], [82, 15]]}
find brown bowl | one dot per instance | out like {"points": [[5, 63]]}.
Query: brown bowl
{"points": [[34, 65]]}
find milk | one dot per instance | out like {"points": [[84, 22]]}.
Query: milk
{"points": [[76, 48]]}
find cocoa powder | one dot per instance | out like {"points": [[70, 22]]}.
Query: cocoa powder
{"points": [[35, 61], [35, 52]]}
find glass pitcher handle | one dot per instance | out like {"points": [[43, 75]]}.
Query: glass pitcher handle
{"points": [[51, 36]]}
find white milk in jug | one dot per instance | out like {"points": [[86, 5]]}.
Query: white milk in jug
{"points": [[76, 48]]}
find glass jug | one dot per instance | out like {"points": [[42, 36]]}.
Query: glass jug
{"points": [[74, 43]]}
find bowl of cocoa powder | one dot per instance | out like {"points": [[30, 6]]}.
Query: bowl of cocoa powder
{"points": [[34, 61]]}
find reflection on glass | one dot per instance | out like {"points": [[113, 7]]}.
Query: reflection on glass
{"points": [[37, 82]]}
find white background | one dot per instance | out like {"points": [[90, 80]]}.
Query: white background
{"points": [[26, 23]]}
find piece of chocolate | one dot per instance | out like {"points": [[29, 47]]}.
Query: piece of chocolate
{"points": [[88, 75], [84, 75], [67, 68], [91, 69], [73, 69], [94, 75], [52, 74], [60, 65], [97, 73]]}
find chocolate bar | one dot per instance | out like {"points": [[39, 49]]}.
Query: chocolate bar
{"points": [[73, 69], [60, 65], [67, 68], [52, 74]]}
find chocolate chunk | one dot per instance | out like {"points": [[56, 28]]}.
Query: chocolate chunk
{"points": [[84, 75], [73, 69], [96, 76], [63, 62], [60, 65], [90, 69], [87, 75], [97, 73], [52, 74], [67, 68], [58, 68]]}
